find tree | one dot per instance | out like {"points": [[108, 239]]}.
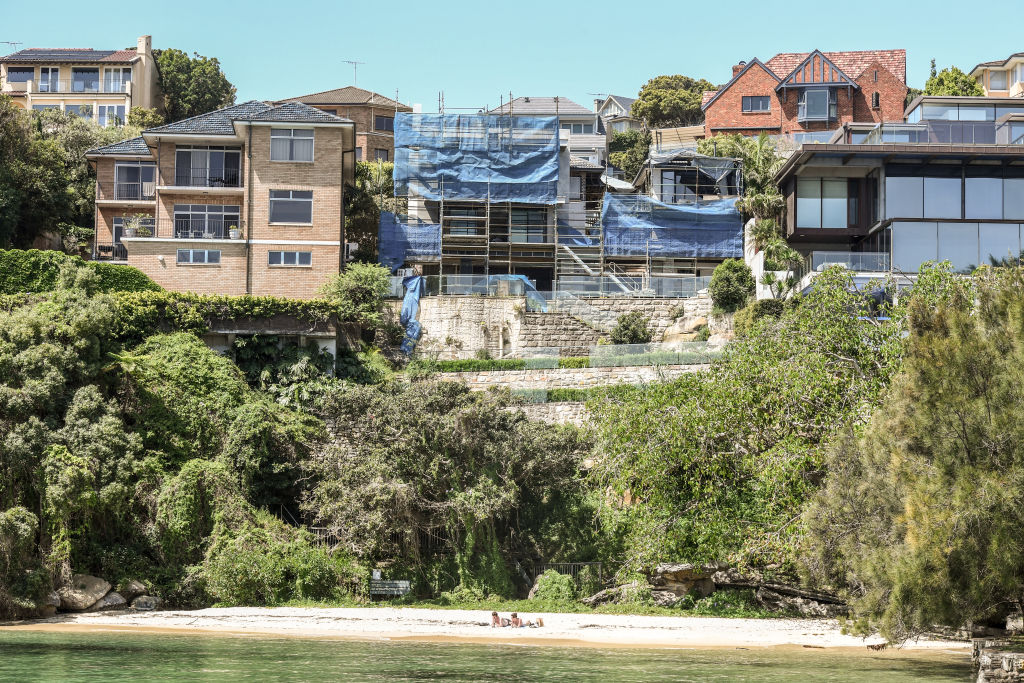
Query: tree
{"points": [[951, 81], [761, 161], [191, 85], [358, 292], [921, 518], [628, 151], [145, 118], [666, 101], [732, 284], [632, 328]]}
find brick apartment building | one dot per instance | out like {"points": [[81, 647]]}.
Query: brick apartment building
{"points": [[243, 200], [373, 114], [95, 84], [809, 92]]}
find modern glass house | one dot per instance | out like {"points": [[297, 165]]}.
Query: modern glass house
{"points": [[946, 185]]}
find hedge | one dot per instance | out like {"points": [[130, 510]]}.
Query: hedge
{"points": [[35, 271], [140, 314]]}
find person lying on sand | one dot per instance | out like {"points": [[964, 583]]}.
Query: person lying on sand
{"points": [[519, 623], [499, 622]]}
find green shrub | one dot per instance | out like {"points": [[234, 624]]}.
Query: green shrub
{"points": [[574, 362], [747, 316], [426, 367], [34, 271], [554, 587], [732, 284], [632, 328]]}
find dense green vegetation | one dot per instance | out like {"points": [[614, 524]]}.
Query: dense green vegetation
{"points": [[627, 150], [191, 85], [732, 285], [951, 81], [35, 271], [870, 445], [666, 101]]}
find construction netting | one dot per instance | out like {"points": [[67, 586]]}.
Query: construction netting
{"points": [[637, 225], [405, 241], [477, 156]]}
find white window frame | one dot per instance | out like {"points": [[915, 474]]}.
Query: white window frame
{"points": [[103, 116], [1006, 79], [52, 78], [289, 198], [107, 83], [191, 256], [296, 255], [280, 134]]}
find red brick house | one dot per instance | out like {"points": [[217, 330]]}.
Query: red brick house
{"points": [[807, 92]]}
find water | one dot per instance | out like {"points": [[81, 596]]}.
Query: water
{"points": [[132, 656]]}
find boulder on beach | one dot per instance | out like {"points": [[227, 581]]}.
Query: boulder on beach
{"points": [[82, 592], [682, 579], [132, 590], [110, 601], [144, 603]]}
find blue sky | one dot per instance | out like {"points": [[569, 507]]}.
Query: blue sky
{"points": [[477, 52]]}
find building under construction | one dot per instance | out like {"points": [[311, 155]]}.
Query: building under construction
{"points": [[496, 195]]}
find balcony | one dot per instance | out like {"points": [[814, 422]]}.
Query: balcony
{"points": [[209, 229], [126, 193], [70, 86], [947, 133], [219, 181], [874, 262], [108, 250]]}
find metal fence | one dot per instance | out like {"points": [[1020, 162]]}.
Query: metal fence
{"points": [[630, 355], [573, 569]]}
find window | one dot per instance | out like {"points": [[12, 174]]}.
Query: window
{"points": [[359, 153], [904, 198], [998, 241], [204, 221], [578, 128], [209, 256], [875, 100], [330, 111], [20, 74], [958, 244], [876, 75], [111, 115], [116, 79], [207, 166], [942, 197], [83, 111], [1013, 198], [983, 198], [528, 226], [134, 180], [148, 224], [997, 80], [822, 203], [287, 144], [291, 206], [44, 107], [819, 104], [85, 80], [386, 123], [290, 258], [380, 154], [913, 244], [755, 103], [49, 79]]}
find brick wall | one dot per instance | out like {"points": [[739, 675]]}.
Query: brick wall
{"points": [[725, 114], [368, 140], [227, 277]]}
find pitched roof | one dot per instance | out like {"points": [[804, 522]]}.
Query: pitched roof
{"points": [[70, 54], [222, 121], [584, 164], [348, 95], [996, 62], [132, 146], [852, 63], [624, 102], [706, 96], [706, 101], [541, 105]]}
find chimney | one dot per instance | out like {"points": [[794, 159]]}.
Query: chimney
{"points": [[738, 68], [144, 45], [597, 105]]}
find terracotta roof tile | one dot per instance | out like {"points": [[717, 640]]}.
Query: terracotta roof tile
{"points": [[706, 96], [348, 95], [852, 63]]}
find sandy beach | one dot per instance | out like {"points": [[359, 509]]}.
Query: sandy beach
{"points": [[601, 630]]}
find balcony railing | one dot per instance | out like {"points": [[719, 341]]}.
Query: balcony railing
{"points": [[201, 177], [948, 132], [135, 191], [108, 250], [209, 229], [857, 261], [69, 86]]}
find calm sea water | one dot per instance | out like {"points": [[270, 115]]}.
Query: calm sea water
{"points": [[35, 656]]}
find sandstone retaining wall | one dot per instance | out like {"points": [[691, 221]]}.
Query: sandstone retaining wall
{"points": [[558, 412], [557, 378]]}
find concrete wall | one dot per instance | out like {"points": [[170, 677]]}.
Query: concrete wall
{"points": [[556, 378]]}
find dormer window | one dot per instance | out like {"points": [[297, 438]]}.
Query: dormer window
{"points": [[817, 104], [997, 80]]}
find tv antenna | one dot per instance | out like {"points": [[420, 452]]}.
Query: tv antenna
{"points": [[355, 69], [13, 43]]}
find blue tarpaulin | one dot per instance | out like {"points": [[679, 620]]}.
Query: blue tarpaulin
{"points": [[410, 307], [536, 302], [477, 156], [399, 242], [637, 225]]}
